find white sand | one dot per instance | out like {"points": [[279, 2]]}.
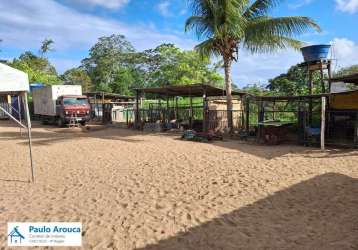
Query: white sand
{"points": [[133, 190]]}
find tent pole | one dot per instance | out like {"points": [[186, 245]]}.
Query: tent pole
{"points": [[12, 117], [28, 123], [19, 107]]}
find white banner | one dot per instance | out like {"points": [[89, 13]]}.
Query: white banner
{"points": [[44, 234]]}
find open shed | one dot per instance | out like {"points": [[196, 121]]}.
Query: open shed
{"points": [[14, 82], [329, 118], [111, 107], [195, 106]]}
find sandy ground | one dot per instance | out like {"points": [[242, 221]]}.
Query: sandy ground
{"points": [[142, 191]]}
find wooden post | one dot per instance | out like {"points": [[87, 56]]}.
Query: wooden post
{"points": [[247, 115], [310, 99], [356, 131], [176, 107], [191, 112], [329, 76], [261, 117], [167, 115], [273, 110], [103, 111], [323, 122], [137, 115], [204, 111], [322, 80]]}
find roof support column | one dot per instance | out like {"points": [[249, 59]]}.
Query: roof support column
{"points": [[137, 111], [190, 111], [205, 112]]}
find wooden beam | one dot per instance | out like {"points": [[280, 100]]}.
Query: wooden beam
{"points": [[329, 77], [205, 104], [322, 76], [310, 100], [323, 123], [137, 115], [247, 104], [191, 112]]}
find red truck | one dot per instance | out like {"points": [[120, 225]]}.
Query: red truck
{"points": [[61, 104]]}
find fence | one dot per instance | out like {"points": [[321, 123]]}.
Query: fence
{"points": [[342, 127], [300, 122], [194, 117]]}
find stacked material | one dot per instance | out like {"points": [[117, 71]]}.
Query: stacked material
{"points": [[152, 127]]}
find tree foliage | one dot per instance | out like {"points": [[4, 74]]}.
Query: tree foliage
{"points": [[115, 66], [39, 69], [168, 65], [294, 82], [347, 70], [77, 76]]}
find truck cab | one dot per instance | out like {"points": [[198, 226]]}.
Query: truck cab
{"points": [[74, 108]]}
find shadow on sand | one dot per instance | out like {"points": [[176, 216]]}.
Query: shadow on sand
{"points": [[320, 213]]}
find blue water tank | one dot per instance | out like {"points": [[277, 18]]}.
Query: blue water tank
{"points": [[36, 85], [315, 52]]}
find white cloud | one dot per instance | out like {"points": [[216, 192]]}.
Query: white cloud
{"points": [[163, 8], [109, 4], [350, 6], [259, 68], [24, 24], [345, 52], [299, 4]]}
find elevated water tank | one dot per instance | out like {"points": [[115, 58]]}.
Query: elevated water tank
{"points": [[315, 52]]}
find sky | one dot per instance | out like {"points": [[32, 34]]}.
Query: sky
{"points": [[75, 26]]}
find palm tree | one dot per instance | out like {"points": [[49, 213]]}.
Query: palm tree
{"points": [[228, 25], [46, 46]]}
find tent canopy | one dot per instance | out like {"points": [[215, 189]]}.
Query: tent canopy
{"points": [[12, 80]]}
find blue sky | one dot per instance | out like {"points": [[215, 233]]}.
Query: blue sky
{"points": [[75, 25]]}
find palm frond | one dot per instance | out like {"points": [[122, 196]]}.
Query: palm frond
{"points": [[208, 48], [281, 26], [272, 44], [202, 26], [260, 8]]}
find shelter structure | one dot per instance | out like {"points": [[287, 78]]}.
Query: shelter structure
{"points": [[197, 106], [110, 107], [15, 83], [352, 78], [328, 118]]}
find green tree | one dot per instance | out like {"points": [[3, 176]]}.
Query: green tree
{"points": [[256, 89], [347, 70], [168, 65], [294, 82], [227, 25], [39, 69], [77, 76], [46, 46], [108, 60]]}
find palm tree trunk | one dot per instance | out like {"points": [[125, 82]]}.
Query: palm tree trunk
{"points": [[227, 68]]}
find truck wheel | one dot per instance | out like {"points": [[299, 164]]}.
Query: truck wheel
{"points": [[60, 122], [83, 123]]}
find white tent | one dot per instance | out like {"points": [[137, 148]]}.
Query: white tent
{"points": [[15, 82]]}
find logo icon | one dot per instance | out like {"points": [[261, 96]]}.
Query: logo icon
{"points": [[15, 236]]}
